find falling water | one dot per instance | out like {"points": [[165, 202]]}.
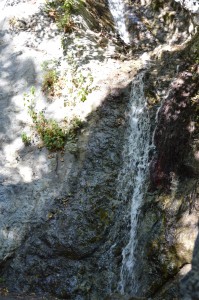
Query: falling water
{"points": [[133, 175], [118, 11]]}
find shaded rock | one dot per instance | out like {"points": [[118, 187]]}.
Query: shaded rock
{"points": [[189, 286], [171, 145], [62, 254], [122, 297]]}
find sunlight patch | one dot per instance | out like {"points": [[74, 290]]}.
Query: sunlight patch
{"points": [[26, 173]]}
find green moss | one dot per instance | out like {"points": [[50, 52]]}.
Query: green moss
{"points": [[167, 258], [151, 97], [190, 53], [104, 216], [168, 17], [194, 49], [95, 239], [157, 5], [2, 280]]}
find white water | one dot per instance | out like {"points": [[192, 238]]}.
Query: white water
{"points": [[133, 176], [118, 11]]}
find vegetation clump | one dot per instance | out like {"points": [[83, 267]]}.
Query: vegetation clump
{"points": [[49, 82], [79, 85], [157, 5], [25, 139], [72, 83], [52, 134], [62, 10]]}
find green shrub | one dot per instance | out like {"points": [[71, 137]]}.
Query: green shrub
{"points": [[83, 85], [79, 83], [52, 135], [48, 85], [50, 132], [61, 11], [76, 83], [25, 139]]}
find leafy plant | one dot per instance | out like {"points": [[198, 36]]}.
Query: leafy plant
{"points": [[25, 139], [76, 123], [83, 85], [29, 100], [13, 22], [2, 279], [51, 133], [49, 64], [73, 83], [61, 11], [48, 85], [78, 84]]}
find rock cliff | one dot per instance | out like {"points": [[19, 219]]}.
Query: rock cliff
{"points": [[64, 224]]}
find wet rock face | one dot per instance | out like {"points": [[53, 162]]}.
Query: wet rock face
{"points": [[67, 255], [168, 222], [169, 225], [174, 131]]}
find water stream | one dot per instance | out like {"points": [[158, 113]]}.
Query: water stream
{"points": [[133, 176], [119, 12]]}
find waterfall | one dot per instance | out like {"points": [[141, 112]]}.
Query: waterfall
{"points": [[132, 178], [118, 11]]}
